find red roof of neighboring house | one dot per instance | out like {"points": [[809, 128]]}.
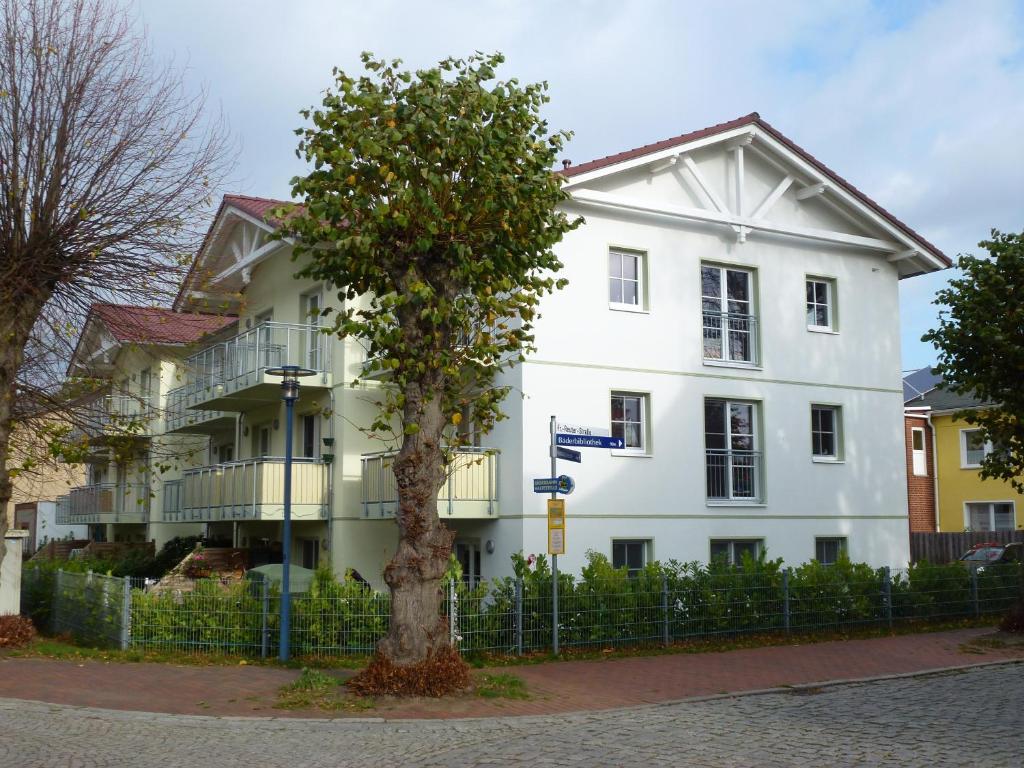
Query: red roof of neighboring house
{"points": [[752, 119], [157, 325], [257, 207]]}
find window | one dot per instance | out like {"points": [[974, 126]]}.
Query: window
{"points": [[827, 549], [732, 461], [146, 383], [261, 440], [310, 553], [990, 515], [629, 420], [973, 448], [825, 434], [920, 465], [731, 551], [224, 453], [312, 305], [820, 304], [310, 436], [630, 554], [730, 327], [625, 279], [468, 555]]}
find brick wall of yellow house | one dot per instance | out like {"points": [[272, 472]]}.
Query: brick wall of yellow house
{"points": [[958, 485]]}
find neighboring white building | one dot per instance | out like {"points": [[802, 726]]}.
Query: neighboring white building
{"points": [[732, 313]]}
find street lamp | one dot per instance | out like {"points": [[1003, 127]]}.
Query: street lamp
{"points": [[290, 375]]}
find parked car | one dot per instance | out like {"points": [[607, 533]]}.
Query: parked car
{"points": [[993, 553]]}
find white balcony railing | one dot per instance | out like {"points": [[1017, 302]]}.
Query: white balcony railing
{"points": [[734, 475], [234, 363], [731, 337], [471, 489], [109, 503], [251, 489]]}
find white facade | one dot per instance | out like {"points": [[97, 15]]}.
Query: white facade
{"points": [[811, 460]]}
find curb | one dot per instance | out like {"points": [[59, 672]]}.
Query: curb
{"points": [[349, 722]]}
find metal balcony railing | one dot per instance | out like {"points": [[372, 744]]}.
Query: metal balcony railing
{"points": [[232, 365], [116, 415], [734, 475], [731, 337], [471, 489], [109, 503], [251, 489]]}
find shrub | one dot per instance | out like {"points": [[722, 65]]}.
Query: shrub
{"points": [[1013, 621]]}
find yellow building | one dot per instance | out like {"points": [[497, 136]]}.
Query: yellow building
{"points": [[965, 501]]}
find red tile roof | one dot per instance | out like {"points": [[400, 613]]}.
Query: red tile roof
{"points": [[752, 119], [257, 207], [157, 325]]}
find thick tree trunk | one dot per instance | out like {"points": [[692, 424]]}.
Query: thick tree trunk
{"points": [[414, 575], [17, 322]]}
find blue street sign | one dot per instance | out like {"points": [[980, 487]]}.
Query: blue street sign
{"points": [[568, 454], [562, 484], [590, 441]]}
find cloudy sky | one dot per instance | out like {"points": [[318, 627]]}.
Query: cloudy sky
{"points": [[917, 103]]}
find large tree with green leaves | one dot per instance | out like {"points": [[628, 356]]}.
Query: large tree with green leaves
{"points": [[980, 339], [432, 205]]}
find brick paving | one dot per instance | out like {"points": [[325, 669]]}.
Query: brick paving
{"points": [[970, 718], [557, 687]]}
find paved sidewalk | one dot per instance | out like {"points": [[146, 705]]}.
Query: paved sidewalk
{"points": [[555, 687]]}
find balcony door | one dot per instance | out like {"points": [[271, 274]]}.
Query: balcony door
{"points": [[727, 300], [312, 304], [732, 459]]}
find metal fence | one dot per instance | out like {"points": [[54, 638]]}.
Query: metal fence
{"points": [[515, 616]]}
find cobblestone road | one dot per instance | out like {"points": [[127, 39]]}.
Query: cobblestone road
{"points": [[968, 718]]}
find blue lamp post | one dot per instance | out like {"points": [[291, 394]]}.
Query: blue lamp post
{"points": [[290, 375]]}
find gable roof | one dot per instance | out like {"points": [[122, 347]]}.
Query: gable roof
{"points": [[928, 391], [753, 119], [157, 325]]}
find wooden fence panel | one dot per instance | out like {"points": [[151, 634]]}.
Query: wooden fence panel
{"points": [[947, 547]]}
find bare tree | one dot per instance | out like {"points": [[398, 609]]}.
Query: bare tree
{"points": [[107, 167]]}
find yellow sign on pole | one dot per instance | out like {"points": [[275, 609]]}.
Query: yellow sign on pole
{"points": [[556, 526]]}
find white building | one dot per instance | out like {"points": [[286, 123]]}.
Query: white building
{"points": [[732, 314]]}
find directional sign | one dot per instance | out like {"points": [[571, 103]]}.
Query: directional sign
{"points": [[568, 454], [561, 484], [596, 441], [576, 429]]}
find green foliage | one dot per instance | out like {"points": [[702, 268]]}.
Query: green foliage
{"points": [[432, 205], [980, 339]]}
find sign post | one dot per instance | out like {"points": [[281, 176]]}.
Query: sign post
{"points": [[554, 555]]}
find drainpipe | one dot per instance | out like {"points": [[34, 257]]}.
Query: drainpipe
{"points": [[330, 482]]}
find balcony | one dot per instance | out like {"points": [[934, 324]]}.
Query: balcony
{"points": [[63, 512], [731, 338], [471, 491], [232, 375], [115, 416], [734, 476], [184, 420], [108, 503], [252, 489]]}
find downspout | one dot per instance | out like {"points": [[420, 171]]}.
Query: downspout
{"points": [[236, 450], [330, 483]]}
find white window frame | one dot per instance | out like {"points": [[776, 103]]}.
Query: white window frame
{"points": [[755, 453], [843, 546], [991, 504], [645, 424], [916, 454], [758, 542], [837, 434], [986, 449], [830, 303], [646, 547], [641, 280], [314, 351], [722, 311]]}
